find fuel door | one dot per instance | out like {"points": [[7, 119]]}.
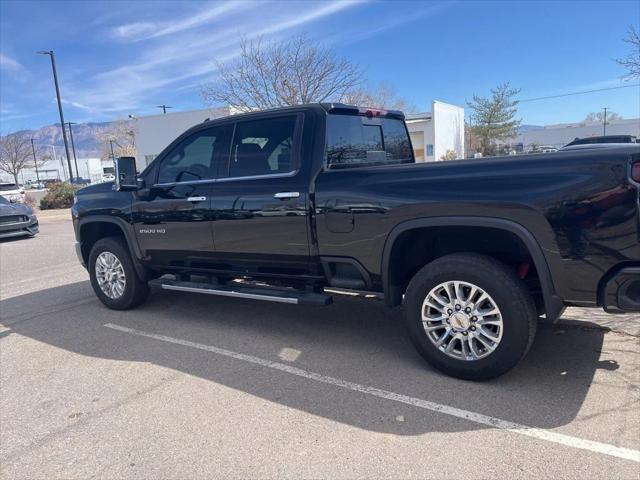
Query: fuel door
{"points": [[339, 217]]}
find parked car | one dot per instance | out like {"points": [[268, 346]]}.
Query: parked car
{"points": [[12, 192], [80, 181], [278, 205], [34, 184], [16, 220], [603, 139]]}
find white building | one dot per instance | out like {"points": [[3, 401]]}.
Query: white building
{"points": [[434, 134], [155, 132], [559, 135]]}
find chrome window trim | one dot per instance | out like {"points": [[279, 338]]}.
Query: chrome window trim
{"points": [[293, 173], [187, 182]]}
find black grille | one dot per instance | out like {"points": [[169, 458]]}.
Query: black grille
{"points": [[12, 219]]}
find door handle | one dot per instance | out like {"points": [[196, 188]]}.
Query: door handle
{"points": [[286, 195], [196, 199]]}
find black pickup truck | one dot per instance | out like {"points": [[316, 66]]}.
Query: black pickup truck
{"points": [[282, 205]]}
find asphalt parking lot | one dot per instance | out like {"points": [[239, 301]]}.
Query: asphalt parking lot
{"points": [[191, 386]]}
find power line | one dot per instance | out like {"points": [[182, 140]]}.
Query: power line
{"points": [[579, 93]]}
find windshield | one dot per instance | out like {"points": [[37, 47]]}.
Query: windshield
{"points": [[357, 141], [5, 187]]}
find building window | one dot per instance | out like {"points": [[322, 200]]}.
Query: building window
{"points": [[429, 150]]}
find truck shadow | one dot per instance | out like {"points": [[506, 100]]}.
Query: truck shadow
{"points": [[357, 340]]}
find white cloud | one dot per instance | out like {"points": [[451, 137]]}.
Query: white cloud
{"points": [[8, 63], [388, 23], [75, 104], [135, 29], [186, 50], [146, 30]]}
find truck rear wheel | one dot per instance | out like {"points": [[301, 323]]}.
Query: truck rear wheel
{"points": [[469, 316], [113, 275]]}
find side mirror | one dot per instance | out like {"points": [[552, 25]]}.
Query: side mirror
{"points": [[126, 174]]}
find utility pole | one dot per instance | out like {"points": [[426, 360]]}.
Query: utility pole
{"points": [[604, 124], [64, 133], [164, 107], [73, 147], [113, 157], [35, 160]]}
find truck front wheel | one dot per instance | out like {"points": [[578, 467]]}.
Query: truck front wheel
{"points": [[113, 275], [470, 316]]}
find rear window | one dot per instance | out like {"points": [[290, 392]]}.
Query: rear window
{"points": [[5, 187], [357, 141]]}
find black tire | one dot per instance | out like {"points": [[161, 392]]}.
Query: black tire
{"points": [[514, 301], [135, 290]]}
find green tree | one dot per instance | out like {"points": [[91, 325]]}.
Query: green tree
{"points": [[493, 118]]}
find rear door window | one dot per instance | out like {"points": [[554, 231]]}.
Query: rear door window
{"points": [[355, 141]]}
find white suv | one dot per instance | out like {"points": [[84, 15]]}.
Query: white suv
{"points": [[12, 192]]}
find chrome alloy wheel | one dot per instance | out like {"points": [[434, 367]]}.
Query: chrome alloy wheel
{"points": [[462, 320], [110, 275]]}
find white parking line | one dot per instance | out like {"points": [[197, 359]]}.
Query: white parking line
{"points": [[540, 434]]}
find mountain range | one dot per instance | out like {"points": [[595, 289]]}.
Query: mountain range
{"points": [[85, 138]]}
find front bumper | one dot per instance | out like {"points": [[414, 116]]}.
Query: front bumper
{"points": [[621, 293], [20, 228]]}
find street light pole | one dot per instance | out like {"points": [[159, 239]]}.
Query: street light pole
{"points": [[64, 133], [35, 161], [73, 147], [604, 124]]}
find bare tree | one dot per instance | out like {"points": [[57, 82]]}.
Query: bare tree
{"points": [[15, 154], [290, 72], [632, 61], [599, 117], [382, 95], [121, 134]]}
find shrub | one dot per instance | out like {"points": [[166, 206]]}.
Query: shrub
{"points": [[29, 200], [60, 195], [450, 155]]}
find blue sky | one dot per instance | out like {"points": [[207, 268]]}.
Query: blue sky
{"points": [[119, 57]]}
